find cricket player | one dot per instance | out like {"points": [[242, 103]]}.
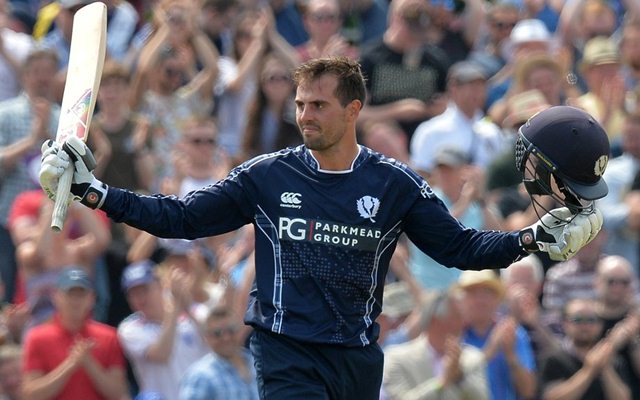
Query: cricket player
{"points": [[327, 217]]}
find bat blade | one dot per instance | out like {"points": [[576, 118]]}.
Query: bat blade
{"points": [[86, 59]]}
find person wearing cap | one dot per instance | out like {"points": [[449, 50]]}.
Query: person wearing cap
{"points": [[73, 356], [602, 70], [527, 38], [462, 125], [435, 365], [511, 365], [160, 339], [405, 77]]}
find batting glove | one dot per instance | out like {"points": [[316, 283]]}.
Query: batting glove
{"points": [[561, 234], [85, 187]]}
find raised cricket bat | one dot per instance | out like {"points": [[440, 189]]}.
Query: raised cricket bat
{"points": [[86, 59]]}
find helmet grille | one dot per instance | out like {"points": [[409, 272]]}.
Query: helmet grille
{"points": [[520, 154]]}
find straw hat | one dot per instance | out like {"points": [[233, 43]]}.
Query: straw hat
{"points": [[523, 106], [485, 278]]}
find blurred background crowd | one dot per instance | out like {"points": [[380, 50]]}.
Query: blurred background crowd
{"points": [[191, 88]]}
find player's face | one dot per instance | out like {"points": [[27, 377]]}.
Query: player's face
{"points": [[322, 120]]}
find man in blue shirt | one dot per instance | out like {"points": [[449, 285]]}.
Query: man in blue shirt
{"points": [[225, 373], [327, 217]]}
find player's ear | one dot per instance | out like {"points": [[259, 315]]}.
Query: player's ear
{"points": [[353, 108]]}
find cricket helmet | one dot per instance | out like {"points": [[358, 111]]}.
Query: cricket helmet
{"points": [[563, 152]]}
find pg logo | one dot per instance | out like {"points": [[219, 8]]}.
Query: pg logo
{"points": [[292, 228]]}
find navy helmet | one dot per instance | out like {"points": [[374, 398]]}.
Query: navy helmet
{"points": [[567, 144]]}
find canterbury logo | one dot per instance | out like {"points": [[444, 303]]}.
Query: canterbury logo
{"points": [[368, 207], [291, 200]]}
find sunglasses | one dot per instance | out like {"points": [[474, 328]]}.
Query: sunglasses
{"points": [[325, 17], [199, 141], [176, 19], [277, 78], [172, 72], [502, 25], [243, 35], [618, 281], [219, 332], [584, 319]]}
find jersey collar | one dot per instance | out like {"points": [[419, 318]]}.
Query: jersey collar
{"points": [[311, 161]]}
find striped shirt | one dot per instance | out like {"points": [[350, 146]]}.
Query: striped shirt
{"points": [[565, 281], [212, 378], [16, 119]]}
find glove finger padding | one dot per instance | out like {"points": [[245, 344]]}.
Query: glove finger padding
{"points": [[574, 236], [596, 220], [557, 216], [52, 166], [82, 157]]}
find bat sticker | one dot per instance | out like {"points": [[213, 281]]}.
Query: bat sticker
{"points": [[81, 111]]}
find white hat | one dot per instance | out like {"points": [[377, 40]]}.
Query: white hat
{"points": [[529, 30]]}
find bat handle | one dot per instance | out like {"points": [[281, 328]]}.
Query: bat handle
{"points": [[62, 199]]}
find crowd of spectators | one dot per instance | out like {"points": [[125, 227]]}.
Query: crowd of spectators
{"points": [[191, 88]]}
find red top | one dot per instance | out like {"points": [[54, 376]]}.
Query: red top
{"points": [[47, 345]]}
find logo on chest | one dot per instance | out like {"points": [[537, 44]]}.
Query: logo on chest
{"points": [[368, 207], [291, 200]]}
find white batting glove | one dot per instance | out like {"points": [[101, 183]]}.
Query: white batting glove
{"points": [[85, 187], [560, 234]]}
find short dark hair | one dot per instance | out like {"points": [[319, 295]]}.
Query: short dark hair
{"points": [[39, 54], [220, 5], [217, 313], [114, 69], [350, 79]]}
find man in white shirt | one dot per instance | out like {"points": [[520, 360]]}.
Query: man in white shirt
{"points": [[461, 126], [160, 340]]}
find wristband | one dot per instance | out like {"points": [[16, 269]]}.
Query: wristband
{"points": [[95, 194], [527, 240]]}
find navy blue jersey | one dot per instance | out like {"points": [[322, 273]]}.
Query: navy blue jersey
{"points": [[323, 238]]}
